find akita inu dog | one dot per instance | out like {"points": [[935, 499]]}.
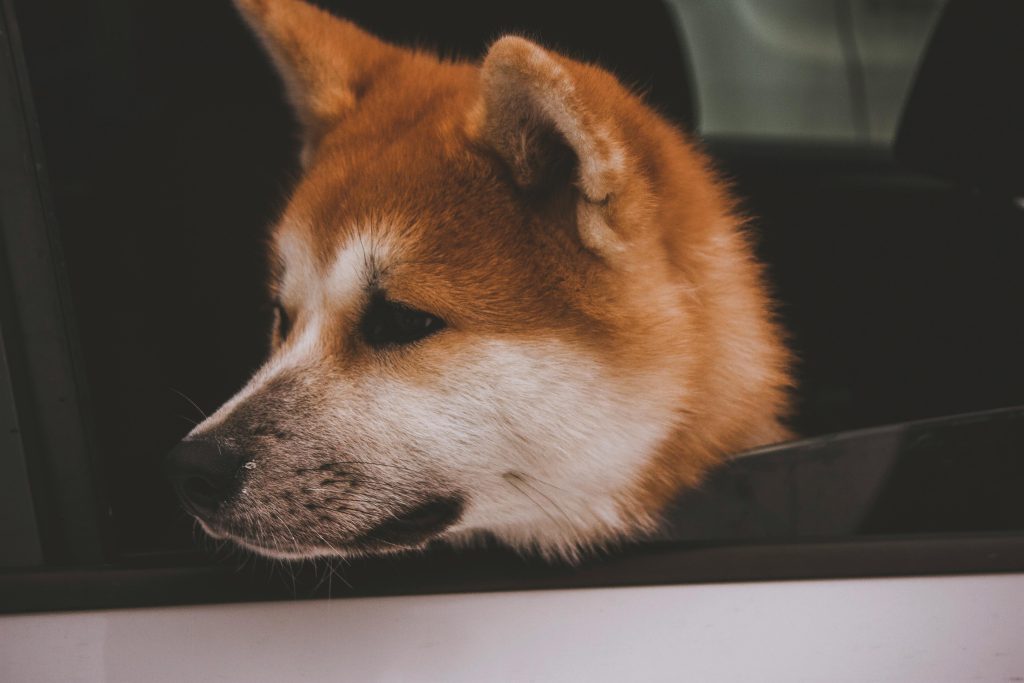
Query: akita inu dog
{"points": [[511, 300]]}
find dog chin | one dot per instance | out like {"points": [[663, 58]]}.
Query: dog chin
{"points": [[273, 553], [409, 530], [343, 551], [356, 548], [295, 554], [212, 531]]}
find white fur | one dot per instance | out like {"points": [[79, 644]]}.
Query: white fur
{"points": [[301, 349], [539, 438], [352, 270], [304, 287], [300, 273], [535, 433]]}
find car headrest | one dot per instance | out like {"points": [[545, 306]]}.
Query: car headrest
{"points": [[639, 42], [964, 119]]}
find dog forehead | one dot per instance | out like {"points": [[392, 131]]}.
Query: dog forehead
{"points": [[358, 198], [312, 269], [440, 230]]}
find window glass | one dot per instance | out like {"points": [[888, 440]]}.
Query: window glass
{"points": [[805, 69]]}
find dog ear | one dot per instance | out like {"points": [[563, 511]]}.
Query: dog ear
{"points": [[324, 61], [540, 110]]}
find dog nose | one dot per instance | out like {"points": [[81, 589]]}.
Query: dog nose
{"points": [[204, 474]]}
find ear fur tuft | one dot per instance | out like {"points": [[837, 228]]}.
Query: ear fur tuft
{"points": [[323, 60], [533, 103]]}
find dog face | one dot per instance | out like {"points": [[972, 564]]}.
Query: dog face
{"points": [[509, 300]]}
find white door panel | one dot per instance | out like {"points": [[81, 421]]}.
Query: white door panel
{"points": [[909, 629]]}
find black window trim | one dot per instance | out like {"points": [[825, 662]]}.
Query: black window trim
{"points": [[38, 330], [445, 570]]}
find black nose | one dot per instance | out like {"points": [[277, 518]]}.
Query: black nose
{"points": [[204, 474]]}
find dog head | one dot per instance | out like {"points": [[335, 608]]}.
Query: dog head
{"points": [[510, 299]]}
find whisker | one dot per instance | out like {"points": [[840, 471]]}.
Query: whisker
{"points": [[373, 464], [330, 568], [530, 498], [381, 540], [353, 496], [546, 483], [194, 404], [548, 498]]}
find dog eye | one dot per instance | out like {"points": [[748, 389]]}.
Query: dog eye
{"points": [[282, 321], [387, 323]]}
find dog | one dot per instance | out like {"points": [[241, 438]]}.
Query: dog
{"points": [[511, 301]]}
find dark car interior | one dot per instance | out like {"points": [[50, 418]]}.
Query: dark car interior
{"points": [[168, 151]]}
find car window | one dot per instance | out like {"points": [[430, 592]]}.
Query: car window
{"points": [[162, 164], [803, 70]]}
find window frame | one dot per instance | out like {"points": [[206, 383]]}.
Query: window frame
{"points": [[65, 513], [38, 331]]}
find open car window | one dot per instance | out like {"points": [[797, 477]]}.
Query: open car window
{"points": [[137, 299]]}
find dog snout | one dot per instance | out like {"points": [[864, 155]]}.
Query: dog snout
{"points": [[204, 474]]}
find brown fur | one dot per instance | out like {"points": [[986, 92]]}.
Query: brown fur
{"points": [[643, 262]]}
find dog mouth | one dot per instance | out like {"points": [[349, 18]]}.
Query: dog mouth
{"points": [[415, 526], [410, 529]]}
